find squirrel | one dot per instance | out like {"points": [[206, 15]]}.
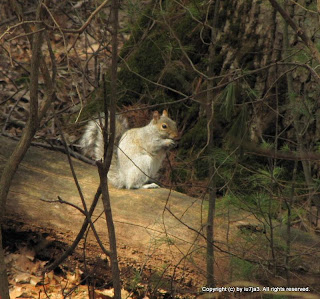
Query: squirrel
{"points": [[139, 153]]}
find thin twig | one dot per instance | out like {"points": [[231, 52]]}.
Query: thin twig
{"points": [[84, 26]]}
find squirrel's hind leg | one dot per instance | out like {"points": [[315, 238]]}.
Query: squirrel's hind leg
{"points": [[133, 178], [137, 174], [150, 186]]}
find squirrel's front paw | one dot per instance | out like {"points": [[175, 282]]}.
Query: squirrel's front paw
{"points": [[170, 143]]}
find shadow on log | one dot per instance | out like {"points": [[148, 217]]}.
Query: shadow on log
{"points": [[147, 233]]}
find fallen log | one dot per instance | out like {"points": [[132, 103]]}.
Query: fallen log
{"points": [[153, 226]]}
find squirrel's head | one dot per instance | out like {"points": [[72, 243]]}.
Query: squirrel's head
{"points": [[166, 126]]}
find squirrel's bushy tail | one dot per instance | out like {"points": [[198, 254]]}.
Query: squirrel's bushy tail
{"points": [[91, 141]]}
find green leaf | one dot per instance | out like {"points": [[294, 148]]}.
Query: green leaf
{"points": [[239, 127], [228, 98]]}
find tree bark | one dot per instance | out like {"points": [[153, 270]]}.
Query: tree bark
{"points": [[299, 31]]}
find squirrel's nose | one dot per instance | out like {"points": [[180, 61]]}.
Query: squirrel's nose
{"points": [[175, 137]]}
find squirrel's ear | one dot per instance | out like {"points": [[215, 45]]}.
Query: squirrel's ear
{"points": [[165, 113], [156, 115]]}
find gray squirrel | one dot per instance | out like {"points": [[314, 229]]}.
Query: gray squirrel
{"points": [[138, 152]]}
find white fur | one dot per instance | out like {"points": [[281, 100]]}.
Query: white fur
{"points": [[140, 155]]}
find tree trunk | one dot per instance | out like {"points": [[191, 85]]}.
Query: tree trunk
{"points": [[210, 126]]}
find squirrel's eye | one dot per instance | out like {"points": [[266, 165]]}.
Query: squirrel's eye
{"points": [[164, 126]]}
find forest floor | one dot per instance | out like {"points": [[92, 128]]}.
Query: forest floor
{"points": [[28, 252], [87, 271]]}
